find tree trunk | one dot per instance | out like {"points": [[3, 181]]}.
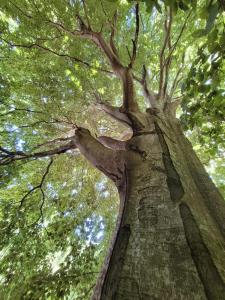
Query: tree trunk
{"points": [[170, 235]]}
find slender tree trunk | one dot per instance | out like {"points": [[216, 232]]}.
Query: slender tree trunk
{"points": [[170, 235]]}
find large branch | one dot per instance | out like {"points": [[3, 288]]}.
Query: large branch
{"points": [[106, 160], [129, 102], [86, 32], [171, 107], [124, 73]]}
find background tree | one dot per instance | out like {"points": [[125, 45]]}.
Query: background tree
{"points": [[70, 65]]}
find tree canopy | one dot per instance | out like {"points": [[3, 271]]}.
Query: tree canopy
{"points": [[57, 212]]}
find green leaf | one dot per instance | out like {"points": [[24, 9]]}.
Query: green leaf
{"points": [[199, 33], [213, 11]]}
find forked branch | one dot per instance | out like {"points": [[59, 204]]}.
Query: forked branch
{"points": [[86, 32], [174, 45], [39, 186], [149, 94], [167, 61], [124, 73], [167, 26]]}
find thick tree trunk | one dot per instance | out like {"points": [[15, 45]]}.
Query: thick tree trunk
{"points": [[170, 236]]}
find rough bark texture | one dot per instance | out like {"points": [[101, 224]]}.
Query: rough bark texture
{"points": [[169, 241]]}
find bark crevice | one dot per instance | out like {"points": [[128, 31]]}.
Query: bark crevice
{"points": [[112, 278], [173, 179], [208, 273]]}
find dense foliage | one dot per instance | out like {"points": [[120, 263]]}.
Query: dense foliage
{"points": [[57, 212]]}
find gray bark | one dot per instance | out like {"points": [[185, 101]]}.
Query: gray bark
{"points": [[169, 241]]}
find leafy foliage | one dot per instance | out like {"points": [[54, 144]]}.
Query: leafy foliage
{"points": [[55, 231], [204, 89]]}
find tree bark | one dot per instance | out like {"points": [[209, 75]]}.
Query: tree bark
{"points": [[170, 236]]}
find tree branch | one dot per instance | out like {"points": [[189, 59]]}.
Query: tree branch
{"points": [[135, 40], [124, 73], [21, 10], [115, 113], [168, 23], [129, 103], [173, 46], [39, 186], [7, 157], [168, 62], [177, 79], [171, 107], [86, 32], [53, 142], [150, 95], [112, 24], [113, 28], [108, 161], [65, 55], [21, 109]]}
